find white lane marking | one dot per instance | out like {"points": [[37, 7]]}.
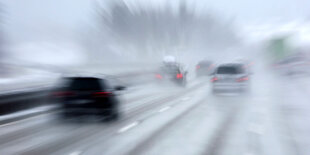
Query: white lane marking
{"points": [[164, 109], [127, 127], [256, 128], [185, 98], [76, 153]]}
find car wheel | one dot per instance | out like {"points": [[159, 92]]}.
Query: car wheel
{"points": [[183, 84], [214, 91], [114, 116], [66, 114]]}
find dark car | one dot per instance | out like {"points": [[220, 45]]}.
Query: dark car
{"points": [[88, 95], [230, 77], [173, 72], [204, 68], [292, 65]]}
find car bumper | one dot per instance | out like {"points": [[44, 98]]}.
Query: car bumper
{"points": [[230, 86], [87, 111], [89, 108]]}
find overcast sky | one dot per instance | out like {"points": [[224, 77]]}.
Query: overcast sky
{"points": [[41, 18]]}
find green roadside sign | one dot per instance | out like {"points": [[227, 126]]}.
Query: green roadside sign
{"points": [[278, 48]]}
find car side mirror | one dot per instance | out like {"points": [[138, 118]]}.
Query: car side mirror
{"points": [[119, 88]]}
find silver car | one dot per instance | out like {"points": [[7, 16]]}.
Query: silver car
{"points": [[230, 77]]}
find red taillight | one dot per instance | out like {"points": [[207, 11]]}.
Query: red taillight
{"points": [[63, 94], [179, 76], [158, 76], [214, 79], [197, 67], [243, 79], [102, 94]]}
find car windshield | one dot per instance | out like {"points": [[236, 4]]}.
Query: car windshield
{"points": [[85, 84], [229, 70], [204, 64], [155, 77], [170, 69]]}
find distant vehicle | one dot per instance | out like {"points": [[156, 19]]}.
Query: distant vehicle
{"points": [[88, 95], [230, 77], [169, 60], [204, 68], [172, 72], [292, 65]]}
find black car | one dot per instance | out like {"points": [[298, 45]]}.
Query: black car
{"points": [[204, 68], [172, 72], [88, 95]]}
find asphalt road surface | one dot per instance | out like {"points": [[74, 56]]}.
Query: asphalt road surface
{"points": [[156, 119]]}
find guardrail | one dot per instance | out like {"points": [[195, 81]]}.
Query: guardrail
{"points": [[17, 100]]}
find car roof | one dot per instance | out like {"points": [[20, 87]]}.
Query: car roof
{"points": [[86, 75], [171, 65], [204, 62], [83, 76], [230, 64]]}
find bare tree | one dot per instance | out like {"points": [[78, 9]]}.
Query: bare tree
{"points": [[3, 53], [154, 31]]}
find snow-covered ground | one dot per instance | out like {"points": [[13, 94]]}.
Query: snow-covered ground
{"points": [[40, 77]]}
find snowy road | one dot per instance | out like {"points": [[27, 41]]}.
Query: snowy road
{"points": [[270, 120]]}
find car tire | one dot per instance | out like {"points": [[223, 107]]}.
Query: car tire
{"points": [[214, 91], [66, 114], [183, 84], [114, 116]]}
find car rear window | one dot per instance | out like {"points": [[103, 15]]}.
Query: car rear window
{"points": [[204, 64], [85, 84], [229, 70], [170, 69]]}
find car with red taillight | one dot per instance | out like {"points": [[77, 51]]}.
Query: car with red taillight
{"points": [[204, 68], [293, 65], [172, 73], [230, 77], [88, 95]]}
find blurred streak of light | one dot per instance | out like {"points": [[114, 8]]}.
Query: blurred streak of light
{"points": [[153, 32]]}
